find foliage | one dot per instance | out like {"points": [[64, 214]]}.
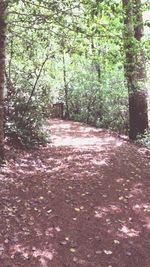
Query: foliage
{"points": [[25, 128], [144, 139], [65, 51], [27, 95], [104, 103]]}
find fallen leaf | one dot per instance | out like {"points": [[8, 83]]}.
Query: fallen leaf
{"points": [[57, 229], [63, 243], [98, 252], [49, 211], [72, 250], [77, 209], [116, 242], [107, 252], [75, 259]]}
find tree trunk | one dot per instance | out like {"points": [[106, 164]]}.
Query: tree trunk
{"points": [[95, 62], [135, 68], [65, 88], [138, 34], [2, 75]]}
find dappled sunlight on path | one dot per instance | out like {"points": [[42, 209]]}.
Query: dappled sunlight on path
{"points": [[83, 200], [82, 136]]}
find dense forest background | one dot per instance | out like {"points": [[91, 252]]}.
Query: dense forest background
{"points": [[93, 56]]}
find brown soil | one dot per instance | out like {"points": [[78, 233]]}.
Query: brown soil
{"points": [[81, 201]]}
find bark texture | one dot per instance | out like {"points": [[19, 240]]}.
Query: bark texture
{"points": [[2, 75], [135, 68]]}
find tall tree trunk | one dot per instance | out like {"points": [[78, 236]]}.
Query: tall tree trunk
{"points": [[95, 62], [135, 67], [138, 34], [2, 75], [65, 88]]}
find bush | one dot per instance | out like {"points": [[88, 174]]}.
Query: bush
{"points": [[101, 103], [24, 122], [144, 139]]}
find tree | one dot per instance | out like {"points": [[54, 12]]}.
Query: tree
{"points": [[81, 31], [65, 87], [86, 65], [2, 75], [135, 67]]}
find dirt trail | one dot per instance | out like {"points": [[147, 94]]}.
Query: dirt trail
{"points": [[81, 201]]}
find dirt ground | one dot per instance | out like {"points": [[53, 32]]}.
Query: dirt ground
{"points": [[81, 201]]}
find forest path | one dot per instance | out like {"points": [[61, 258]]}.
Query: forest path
{"points": [[81, 201]]}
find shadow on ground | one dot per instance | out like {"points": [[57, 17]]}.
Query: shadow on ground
{"points": [[84, 200]]}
